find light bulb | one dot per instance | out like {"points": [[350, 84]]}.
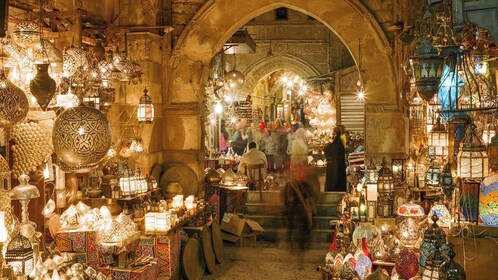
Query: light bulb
{"points": [[218, 108], [359, 187], [361, 95], [233, 120], [46, 172], [81, 131]]}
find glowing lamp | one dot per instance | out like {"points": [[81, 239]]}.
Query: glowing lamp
{"points": [[145, 110], [19, 255], [488, 132], [438, 140], [385, 183], [189, 202], [178, 201], [472, 158]]}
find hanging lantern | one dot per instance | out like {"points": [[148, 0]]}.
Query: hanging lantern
{"points": [[488, 133], [145, 110], [385, 181], [433, 176], [26, 33], [433, 263], [235, 79], [427, 67], [438, 141], [472, 158], [81, 136], [43, 87], [451, 270], [14, 104], [447, 181], [19, 255], [432, 235]]}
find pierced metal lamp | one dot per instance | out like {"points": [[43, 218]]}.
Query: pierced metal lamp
{"points": [[24, 192]]}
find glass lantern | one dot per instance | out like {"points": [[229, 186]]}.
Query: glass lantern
{"points": [[451, 270], [432, 113], [447, 182], [472, 158], [385, 182], [398, 167], [19, 255], [427, 68], [438, 141], [433, 176], [433, 263], [371, 173], [432, 235], [145, 110]]}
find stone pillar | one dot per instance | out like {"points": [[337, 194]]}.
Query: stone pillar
{"points": [[146, 49]]}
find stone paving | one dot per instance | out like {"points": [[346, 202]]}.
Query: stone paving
{"points": [[269, 261]]}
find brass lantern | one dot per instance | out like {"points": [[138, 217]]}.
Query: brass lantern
{"points": [[385, 182], [19, 255], [438, 141], [24, 192], [145, 111], [427, 67], [472, 158]]}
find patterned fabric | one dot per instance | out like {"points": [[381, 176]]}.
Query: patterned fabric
{"points": [[76, 241], [166, 249], [488, 202]]}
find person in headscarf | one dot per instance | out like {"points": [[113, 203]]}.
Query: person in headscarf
{"points": [[334, 151]]}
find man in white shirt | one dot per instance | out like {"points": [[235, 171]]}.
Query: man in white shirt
{"points": [[253, 156]]}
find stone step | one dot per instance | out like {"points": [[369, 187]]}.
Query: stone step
{"points": [[270, 209], [276, 197], [279, 235], [319, 222]]}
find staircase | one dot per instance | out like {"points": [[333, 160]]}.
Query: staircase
{"points": [[269, 215]]}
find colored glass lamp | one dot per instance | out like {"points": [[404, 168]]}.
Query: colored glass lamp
{"points": [[427, 67], [432, 235], [438, 141]]}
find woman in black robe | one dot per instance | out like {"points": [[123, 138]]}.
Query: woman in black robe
{"points": [[336, 164]]}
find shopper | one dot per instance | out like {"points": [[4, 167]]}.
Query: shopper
{"points": [[239, 138], [253, 156], [299, 151], [336, 163]]}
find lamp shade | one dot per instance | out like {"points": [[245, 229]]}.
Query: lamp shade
{"points": [[81, 136], [14, 104], [24, 190], [411, 210], [145, 110], [472, 157], [427, 67]]}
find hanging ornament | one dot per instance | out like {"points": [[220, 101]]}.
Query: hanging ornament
{"points": [[14, 104], [407, 264], [235, 79], [42, 86], [81, 136]]}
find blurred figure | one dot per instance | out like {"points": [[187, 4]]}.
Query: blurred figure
{"points": [[278, 141], [299, 151], [239, 138], [300, 195], [253, 156], [336, 163]]}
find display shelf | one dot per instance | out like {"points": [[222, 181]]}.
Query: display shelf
{"points": [[124, 199]]}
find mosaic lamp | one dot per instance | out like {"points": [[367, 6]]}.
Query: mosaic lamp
{"points": [[407, 231], [24, 192], [427, 68], [488, 201], [443, 214], [145, 110], [19, 255], [472, 158]]}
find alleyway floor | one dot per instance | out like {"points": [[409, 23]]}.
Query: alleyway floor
{"points": [[269, 261]]}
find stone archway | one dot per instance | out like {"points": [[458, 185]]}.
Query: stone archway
{"points": [[217, 20], [265, 66]]}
